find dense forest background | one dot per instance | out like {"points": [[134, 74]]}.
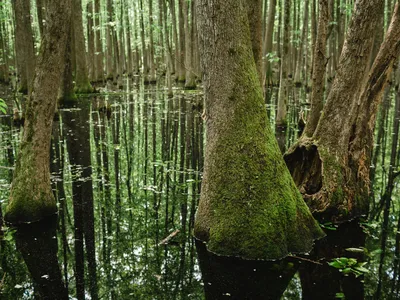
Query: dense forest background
{"points": [[136, 149]]}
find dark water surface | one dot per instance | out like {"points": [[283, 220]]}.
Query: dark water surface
{"points": [[126, 172]]}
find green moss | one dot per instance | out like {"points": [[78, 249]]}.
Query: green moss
{"points": [[30, 199], [252, 208]]}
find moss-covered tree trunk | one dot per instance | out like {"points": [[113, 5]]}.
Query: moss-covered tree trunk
{"points": [[82, 83], [331, 168], [31, 196], [249, 204]]}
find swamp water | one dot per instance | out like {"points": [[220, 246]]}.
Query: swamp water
{"points": [[135, 158]]}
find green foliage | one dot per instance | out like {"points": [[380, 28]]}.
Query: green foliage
{"points": [[339, 296], [8, 234], [3, 106], [272, 57], [348, 266]]}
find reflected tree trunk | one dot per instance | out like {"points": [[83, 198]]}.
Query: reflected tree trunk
{"points": [[39, 248]]}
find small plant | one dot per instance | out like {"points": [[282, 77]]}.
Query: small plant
{"points": [[349, 265], [3, 106]]}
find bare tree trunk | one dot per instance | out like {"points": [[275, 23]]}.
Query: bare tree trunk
{"points": [[99, 46], [82, 83], [269, 36], [190, 82], [281, 120], [319, 70], [91, 43], [31, 197], [24, 44], [304, 33]]}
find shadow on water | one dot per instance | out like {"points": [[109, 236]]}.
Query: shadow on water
{"points": [[37, 243]]}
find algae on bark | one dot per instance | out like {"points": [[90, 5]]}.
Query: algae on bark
{"points": [[249, 205]]}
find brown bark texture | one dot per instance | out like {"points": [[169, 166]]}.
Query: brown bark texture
{"points": [[31, 196], [24, 44], [319, 68], [331, 168]]}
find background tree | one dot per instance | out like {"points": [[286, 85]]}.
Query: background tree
{"points": [[24, 44]]}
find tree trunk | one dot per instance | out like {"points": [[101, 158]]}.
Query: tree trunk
{"points": [[91, 43], [245, 210], [82, 83], [304, 33], [319, 70], [24, 44], [99, 46], [331, 168], [269, 36], [190, 82], [31, 197], [281, 120]]}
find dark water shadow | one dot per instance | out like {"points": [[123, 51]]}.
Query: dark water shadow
{"points": [[37, 243], [235, 278], [322, 281]]}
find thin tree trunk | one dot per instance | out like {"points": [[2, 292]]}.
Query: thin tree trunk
{"points": [[82, 83], [319, 70]]}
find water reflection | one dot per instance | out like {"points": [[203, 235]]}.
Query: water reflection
{"points": [[37, 243], [126, 172]]}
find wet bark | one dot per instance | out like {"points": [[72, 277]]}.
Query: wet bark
{"points": [[31, 197], [240, 216]]}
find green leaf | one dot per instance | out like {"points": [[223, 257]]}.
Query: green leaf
{"points": [[361, 269], [346, 270], [352, 262], [339, 295], [337, 264]]}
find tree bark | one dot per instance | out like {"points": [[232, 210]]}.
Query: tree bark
{"points": [[331, 167], [24, 44], [319, 70], [283, 98], [31, 197], [245, 210], [82, 83]]}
